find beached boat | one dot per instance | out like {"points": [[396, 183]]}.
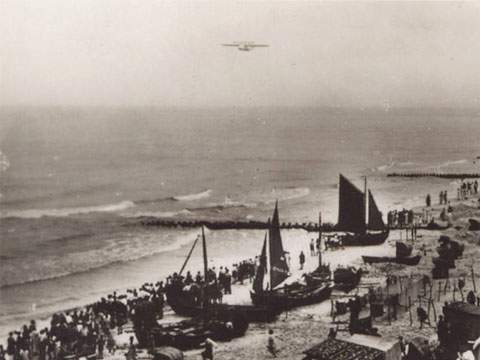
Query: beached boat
{"points": [[407, 260], [346, 278], [184, 300], [192, 333], [218, 323], [352, 212], [287, 296], [402, 249], [403, 256]]}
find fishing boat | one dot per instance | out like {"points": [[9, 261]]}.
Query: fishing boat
{"points": [[192, 333], [402, 249], [215, 322], [275, 264], [407, 260], [185, 300], [403, 256], [354, 205], [346, 278]]}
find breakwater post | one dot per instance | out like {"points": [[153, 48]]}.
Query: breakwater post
{"points": [[439, 175], [231, 225]]}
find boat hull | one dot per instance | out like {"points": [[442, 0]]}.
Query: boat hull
{"points": [[411, 260], [181, 305], [346, 279], [281, 299], [366, 239], [191, 334]]}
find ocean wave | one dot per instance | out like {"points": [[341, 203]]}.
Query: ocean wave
{"points": [[385, 167], [192, 197], [38, 213], [287, 194], [118, 251], [4, 162], [452, 162], [161, 214], [228, 203]]}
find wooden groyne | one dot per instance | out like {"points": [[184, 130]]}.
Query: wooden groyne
{"points": [[253, 225], [232, 225], [433, 174]]}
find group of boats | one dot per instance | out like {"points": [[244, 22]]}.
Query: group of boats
{"points": [[270, 294]]}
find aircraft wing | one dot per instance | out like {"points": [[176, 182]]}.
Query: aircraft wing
{"points": [[259, 45], [236, 45]]}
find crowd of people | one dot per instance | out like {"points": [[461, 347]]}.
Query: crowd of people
{"points": [[72, 334], [217, 283], [466, 189], [400, 218], [88, 332]]}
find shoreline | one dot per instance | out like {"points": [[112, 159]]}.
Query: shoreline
{"points": [[318, 313]]}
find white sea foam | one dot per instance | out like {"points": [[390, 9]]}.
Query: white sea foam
{"points": [[287, 194], [385, 167], [161, 214], [38, 213], [116, 251], [453, 162], [192, 197], [4, 162]]}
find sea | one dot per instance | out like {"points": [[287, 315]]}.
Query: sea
{"points": [[75, 182]]}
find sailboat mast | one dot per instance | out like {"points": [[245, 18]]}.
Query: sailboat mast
{"points": [[320, 225], [269, 264], [365, 199], [205, 264]]}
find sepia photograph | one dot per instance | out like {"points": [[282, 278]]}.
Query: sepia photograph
{"points": [[230, 180]]}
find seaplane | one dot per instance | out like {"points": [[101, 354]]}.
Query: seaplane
{"points": [[245, 45]]}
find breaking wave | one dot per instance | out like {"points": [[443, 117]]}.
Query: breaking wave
{"points": [[4, 162], [38, 213], [40, 268], [453, 162], [161, 214], [287, 194], [192, 197]]}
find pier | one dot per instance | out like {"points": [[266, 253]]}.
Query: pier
{"points": [[233, 225], [433, 174], [255, 225]]}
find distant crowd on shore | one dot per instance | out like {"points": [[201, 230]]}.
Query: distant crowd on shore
{"points": [[406, 218], [216, 284], [88, 332], [85, 332], [467, 188]]}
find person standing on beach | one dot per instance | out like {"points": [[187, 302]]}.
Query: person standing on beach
{"points": [[428, 200], [302, 259], [11, 345], [207, 354], [440, 198], [312, 248], [271, 344]]}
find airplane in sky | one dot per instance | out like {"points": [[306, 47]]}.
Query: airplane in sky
{"points": [[245, 45]]}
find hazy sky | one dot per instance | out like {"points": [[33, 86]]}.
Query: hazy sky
{"points": [[118, 52]]}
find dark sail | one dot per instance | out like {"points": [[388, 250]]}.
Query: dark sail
{"points": [[278, 263], [262, 269], [351, 209], [375, 221]]}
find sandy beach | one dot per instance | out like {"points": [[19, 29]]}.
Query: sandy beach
{"points": [[302, 328]]}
